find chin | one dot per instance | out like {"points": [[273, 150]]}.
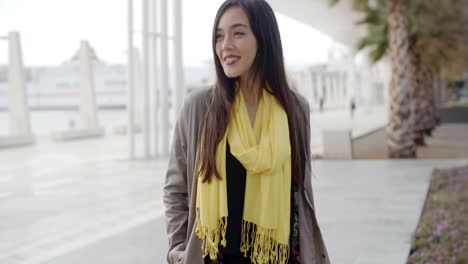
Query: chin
{"points": [[231, 74]]}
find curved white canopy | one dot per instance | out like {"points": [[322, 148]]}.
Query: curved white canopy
{"points": [[338, 21]]}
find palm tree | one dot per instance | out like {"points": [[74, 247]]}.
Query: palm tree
{"points": [[438, 35], [388, 33], [399, 129], [434, 29]]}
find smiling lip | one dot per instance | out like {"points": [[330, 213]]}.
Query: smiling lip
{"points": [[231, 59]]}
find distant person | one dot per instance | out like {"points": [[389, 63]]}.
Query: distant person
{"points": [[238, 185], [352, 107], [321, 104]]}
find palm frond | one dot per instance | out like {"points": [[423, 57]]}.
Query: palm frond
{"points": [[379, 52]]}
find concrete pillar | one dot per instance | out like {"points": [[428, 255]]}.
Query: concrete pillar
{"points": [[332, 79], [308, 85], [146, 76], [329, 88], [20, 123], [138, 91], [178, 56], [351, 83], [339, 88], [88, 112], [89, 125], [155, 81], [320, 84], [130, 81], [336, 88], [164, 80], [344, 77], [341, 82], [313, 87]]}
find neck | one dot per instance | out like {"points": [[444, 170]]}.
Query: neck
{"points": [[252, 91]]}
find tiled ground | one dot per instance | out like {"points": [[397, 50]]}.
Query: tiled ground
{"points": [[56, 198], [50, 215]]}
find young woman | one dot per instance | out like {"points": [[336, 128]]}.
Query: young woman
{"points": [[238, 186]]}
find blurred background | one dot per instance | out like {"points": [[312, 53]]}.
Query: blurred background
{"points": [[90, 91]]}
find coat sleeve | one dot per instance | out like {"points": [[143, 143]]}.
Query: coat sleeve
{"points": [[175, 195], [309, 162]]}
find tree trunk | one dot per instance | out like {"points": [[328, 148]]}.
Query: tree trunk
{"points": [[434, 120], [421, 87], [431, 119], [399, 129]]}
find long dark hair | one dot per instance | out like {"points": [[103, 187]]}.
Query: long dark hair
{"points": [[268, 66]]}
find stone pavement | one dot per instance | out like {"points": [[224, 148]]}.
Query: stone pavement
{"points": [[83, 202], [368, 209], [57, 197], [366, 218]]}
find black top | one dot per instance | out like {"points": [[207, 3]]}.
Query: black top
{"points": [[235, 181]]}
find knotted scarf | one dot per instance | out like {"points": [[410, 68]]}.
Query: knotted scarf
{"points": [[264, 151]]}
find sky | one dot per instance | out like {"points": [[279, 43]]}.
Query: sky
{"points": [[51, 31]]}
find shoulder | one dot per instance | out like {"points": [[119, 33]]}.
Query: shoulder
{"points": [[198, 94], [197, 97]]}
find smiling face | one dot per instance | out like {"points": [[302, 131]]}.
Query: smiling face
{"points": [[236, 46]]}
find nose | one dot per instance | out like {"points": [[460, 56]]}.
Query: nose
{"points": [[227, 43]]}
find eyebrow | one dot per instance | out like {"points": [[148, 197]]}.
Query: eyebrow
{"points": [[234, 26]]}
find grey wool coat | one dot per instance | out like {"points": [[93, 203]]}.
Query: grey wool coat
{"points": [[181, 185]]}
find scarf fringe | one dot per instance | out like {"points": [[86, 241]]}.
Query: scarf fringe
{"points": [[264, 246], [210, 237], [261, 241]]}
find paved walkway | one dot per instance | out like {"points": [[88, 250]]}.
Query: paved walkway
{"points": [[83, 202], [57, 197], [365, 218]]}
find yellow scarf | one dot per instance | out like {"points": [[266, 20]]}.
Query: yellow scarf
{"points": [[265, 153]]}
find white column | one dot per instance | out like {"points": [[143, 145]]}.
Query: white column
{"points": [[138, 91], [319, 77], [331, 85], [145, 39], [339, 79], [155, 80], [351, 83], [88, 112], [20, 124], [131, 136], [178, 56], [336, 78], [316, 86], [308, 78], [164, 80], [309, 88], [313, 87], [339, 89], [344, 77]]}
